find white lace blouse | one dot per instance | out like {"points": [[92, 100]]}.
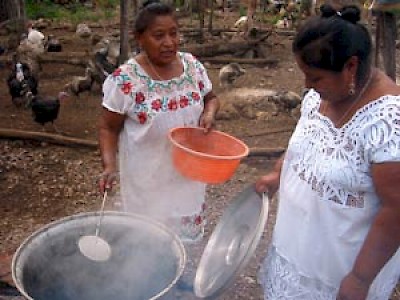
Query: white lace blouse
{"points": [[149, 182], [328, 202]]}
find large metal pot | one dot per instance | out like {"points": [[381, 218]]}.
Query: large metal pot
{"points": [[147, 260]]}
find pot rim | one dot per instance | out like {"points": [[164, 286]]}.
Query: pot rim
{"points": [[43, 229]]}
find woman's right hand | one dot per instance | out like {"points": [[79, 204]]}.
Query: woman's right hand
{"points": [[268, 184], [107, 180]]}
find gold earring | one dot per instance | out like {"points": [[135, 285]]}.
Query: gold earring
{"points": [[352, 87]]}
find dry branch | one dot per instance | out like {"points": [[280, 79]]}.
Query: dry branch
{"points": [[12, 134], [268, 152], [227, 60], [267, 132], [46, 137], [72, 58]]}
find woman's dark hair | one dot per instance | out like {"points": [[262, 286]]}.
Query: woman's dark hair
{"points": [[149, 11], [329, 40]]}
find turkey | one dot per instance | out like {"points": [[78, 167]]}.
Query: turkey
{"points": [[286, 101], [229, 73], [45, 109], [80, 84], [21, 82]]}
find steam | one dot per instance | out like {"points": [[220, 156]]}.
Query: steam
{"points": [[144, 261]]}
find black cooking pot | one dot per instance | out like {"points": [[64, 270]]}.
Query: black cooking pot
{"points": [[146, 261]]}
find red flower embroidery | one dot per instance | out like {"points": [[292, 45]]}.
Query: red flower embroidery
{"points": [[142, 116], [195, 96], [198, 220], [126, 87], [201, 85], [139, 98], [117, 72], [156, 105], [172, 105], [183, 102]]}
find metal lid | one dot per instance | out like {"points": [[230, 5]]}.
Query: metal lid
{"points": [[232, 243]]}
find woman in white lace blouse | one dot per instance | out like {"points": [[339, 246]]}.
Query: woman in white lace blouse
{"points": [[337, 233], [159, 89]]}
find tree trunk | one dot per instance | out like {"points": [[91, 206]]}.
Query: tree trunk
{"points": [[210, 20], [14, 12], [388, 35], [201, 19], [124, 29]]}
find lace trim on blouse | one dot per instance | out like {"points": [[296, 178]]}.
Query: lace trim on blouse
{"points": [[336, 162], [281, 280]]}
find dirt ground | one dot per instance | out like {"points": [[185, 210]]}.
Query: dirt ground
{"points": [[42, 182]]}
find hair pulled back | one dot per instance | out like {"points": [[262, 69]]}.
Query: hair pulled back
{"points": [[329, 40], [149, 11]]}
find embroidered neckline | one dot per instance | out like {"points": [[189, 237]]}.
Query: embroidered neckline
{"points": [[179, 80]]}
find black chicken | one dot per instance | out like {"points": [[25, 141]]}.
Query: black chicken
{"points": [[46, 109], [21, 82], [52, 44]]}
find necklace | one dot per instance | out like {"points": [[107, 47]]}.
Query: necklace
{"points": [[159, 77], [356, 100]]}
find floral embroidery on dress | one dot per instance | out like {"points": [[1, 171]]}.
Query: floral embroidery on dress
{"points": [[339, 171], [190, 228], [146, 109]]}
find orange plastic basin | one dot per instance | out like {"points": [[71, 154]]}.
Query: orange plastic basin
{"points": [[210, 158]]}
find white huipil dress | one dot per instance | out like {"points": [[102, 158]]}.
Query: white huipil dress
{"points": [[150, 184], [327, 201]]}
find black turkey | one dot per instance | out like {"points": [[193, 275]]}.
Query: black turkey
{"points": [[45, 109], [21, 82]]}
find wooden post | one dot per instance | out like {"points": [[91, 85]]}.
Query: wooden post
{"points": [[389, 31]]}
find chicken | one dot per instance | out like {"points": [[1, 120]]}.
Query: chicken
{"points": [[52, 44], [241, 23], [229, 73], [83, 31], [21, 82], [46, 109], [35, 36], [29, 53]]}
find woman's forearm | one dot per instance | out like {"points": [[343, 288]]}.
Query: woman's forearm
{"points": [[109, 129], [108, 148], [383, 240], [211, 104]]}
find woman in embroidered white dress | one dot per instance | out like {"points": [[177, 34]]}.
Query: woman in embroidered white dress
{"points": [[144, 98], [337, 233]]}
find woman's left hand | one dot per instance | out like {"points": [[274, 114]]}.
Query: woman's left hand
{"points": [[352, 288], [207, 120]]}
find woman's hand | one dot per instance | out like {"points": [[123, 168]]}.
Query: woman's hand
{"points": [[107, 180], [207, 120], [268, 183], [352, 288]]}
